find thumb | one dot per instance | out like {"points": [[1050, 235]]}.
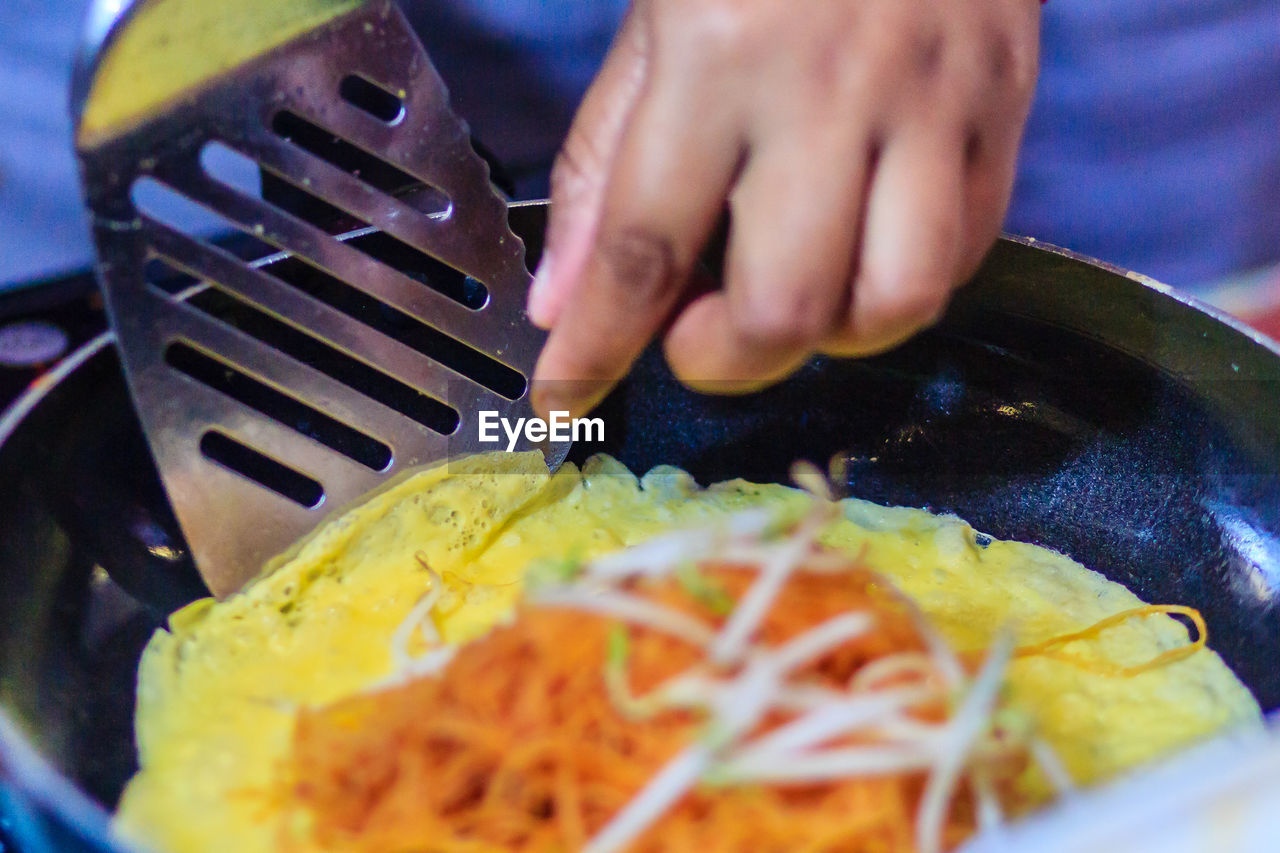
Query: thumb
{"points": [[582, 168]]}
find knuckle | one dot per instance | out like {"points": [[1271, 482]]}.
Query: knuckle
{"points": [[785, 321], [966, 75], [1011, 61], [641, 263], [973, 146], [924, 51], [839, 70], [1000, 56], [717, 33]]}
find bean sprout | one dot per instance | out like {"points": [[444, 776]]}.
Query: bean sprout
{"points": [[867, 728]]}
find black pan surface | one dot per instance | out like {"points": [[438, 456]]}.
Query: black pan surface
{"points": [[1058, 402]]}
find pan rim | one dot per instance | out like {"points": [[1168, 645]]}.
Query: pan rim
{"points": [[1182, 297], [34, 778], [21, 764]]}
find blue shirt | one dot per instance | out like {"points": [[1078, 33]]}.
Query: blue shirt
{"points": [[517, 69], [1154, 139], [42, 227]]}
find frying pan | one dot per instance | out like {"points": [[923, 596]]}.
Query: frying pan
{"points": [[1059, 401]]}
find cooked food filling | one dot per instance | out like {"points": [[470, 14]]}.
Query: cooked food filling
{"points": [[491, 657]]}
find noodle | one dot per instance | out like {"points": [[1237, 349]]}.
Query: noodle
{"points": [[647, 703], [1050, 648], [518, 746]]}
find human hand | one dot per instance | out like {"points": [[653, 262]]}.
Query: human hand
{"points": [[865, 148]]}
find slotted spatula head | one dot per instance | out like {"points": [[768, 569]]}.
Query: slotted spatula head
{"points": [[274, 392]]}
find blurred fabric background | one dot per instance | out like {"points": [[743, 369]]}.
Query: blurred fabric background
{"points": [[1154, 142]]}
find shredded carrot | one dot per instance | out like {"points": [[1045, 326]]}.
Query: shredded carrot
{"points": [[519, 745], [532, 740], [1051, 648]]}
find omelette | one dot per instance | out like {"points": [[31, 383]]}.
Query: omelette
{"points": [[220, 691]]}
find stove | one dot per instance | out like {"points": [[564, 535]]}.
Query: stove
{"points": [[42, 321]]}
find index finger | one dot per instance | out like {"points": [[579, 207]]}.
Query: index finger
{"points": [[666, 189]]}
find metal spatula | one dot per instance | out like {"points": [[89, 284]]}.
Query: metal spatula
{"points": [[276, 391]]}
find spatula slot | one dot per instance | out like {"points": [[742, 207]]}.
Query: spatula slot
{"points": [[366, 95], [231, 168], [360, 305], [167, 243], [261, 469], [395, 324], [233, 381], [355, 161], [298, 201], [163, 203], [277, 191], [392, 393], [421, 267], [167, 278], [172, 277]]}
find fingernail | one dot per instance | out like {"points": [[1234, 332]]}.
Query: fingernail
{"points": [[554, 396], [539, 307]]}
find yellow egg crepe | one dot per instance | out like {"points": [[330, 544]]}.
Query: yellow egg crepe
{"points": [[219, 691]]}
